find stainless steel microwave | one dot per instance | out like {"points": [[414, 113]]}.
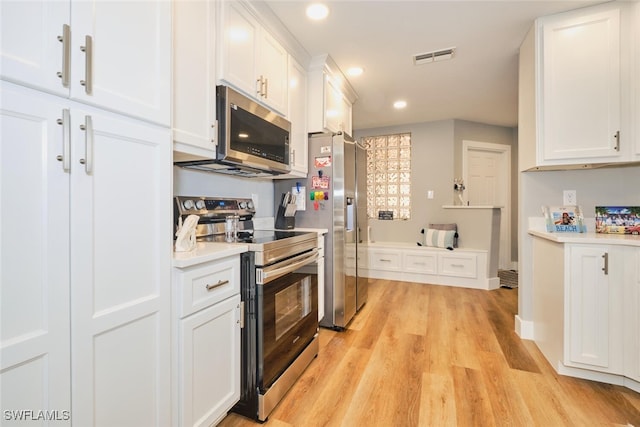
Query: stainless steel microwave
{"points": [[252, 140]]}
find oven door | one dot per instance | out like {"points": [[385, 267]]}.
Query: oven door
{"points": [[289, 322]]}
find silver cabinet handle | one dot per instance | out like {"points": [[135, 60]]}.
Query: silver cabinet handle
{"points": [[65, 39], [385, 260], [66, 140], [617, 138], [605, 268], [211, 287], [88, 145], [88, 65], [266, 87], [260, 84], [457, 265]]}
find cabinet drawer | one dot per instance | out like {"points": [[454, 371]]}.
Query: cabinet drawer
{"points": [[206, 284], [384, 260], [458, 265], [416, 262]]}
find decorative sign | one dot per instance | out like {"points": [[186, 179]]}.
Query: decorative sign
{"points": [[385, 215], [320, 182], [322, 162]]}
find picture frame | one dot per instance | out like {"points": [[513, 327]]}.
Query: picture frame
{"points": [[618, 220], [564, 219]]}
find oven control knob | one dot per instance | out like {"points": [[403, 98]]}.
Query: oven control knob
{"points": [[200, 204], [250, 205], [188, 204], [243, 205]]}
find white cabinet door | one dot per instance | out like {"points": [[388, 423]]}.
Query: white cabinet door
{"points": [[238, 46], [580, 86], [121, 57], [252, 60], [272, 70], [194, 85], [298, 117], [593, 328], [210, 363], [120, 271], [34, 256], [632, 316], [334, 119], [31, 53]]}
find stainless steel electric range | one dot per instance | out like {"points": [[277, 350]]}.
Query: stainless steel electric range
{"points": [[280, 295]]}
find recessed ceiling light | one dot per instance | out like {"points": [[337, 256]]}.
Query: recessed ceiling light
{"points": [[317, 11], [399, 104], [355, 71]]}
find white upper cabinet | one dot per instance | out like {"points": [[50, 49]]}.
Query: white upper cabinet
{"points": [[298, 141], [580, 85], [36, 43], [115, 55], [194, 83], [251, 60], [330, 98], [576, 88]]}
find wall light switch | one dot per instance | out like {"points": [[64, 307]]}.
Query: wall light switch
{"points": [[569, 198], [430, 194]]}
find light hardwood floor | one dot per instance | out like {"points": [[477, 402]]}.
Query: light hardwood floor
{"points": [[424, 355]]}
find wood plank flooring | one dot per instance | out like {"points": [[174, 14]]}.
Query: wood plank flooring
{"points": [[425, 355]]}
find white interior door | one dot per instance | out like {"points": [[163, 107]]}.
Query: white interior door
{"points": [[487, 177]]}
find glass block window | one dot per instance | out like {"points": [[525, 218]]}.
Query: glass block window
{"points": [[389, 174]]}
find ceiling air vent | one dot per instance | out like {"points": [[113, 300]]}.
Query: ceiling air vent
{"points": [[435, 56]]}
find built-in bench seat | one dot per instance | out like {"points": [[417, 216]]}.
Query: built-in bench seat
{"points": [[462, 267]]}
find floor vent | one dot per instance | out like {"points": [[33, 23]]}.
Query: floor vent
{"points": [[435, 56]]}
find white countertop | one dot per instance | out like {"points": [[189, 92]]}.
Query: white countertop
{"points": [[207, 251], [587, 238]]}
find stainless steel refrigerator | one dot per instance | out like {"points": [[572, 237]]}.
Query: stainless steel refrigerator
{"points": [[335, 192]]}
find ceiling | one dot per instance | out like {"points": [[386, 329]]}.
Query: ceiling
{"points": [[480, 82]]}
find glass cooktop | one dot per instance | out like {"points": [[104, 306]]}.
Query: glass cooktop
{"points": [[258, 236]]}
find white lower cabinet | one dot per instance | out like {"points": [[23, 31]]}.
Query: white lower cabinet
{"points": [[35, 261], [593, 324], [586, 300], [210, 368], [418, 262], [632, 319], [385, 259], [399, 261], [85, 286], [206, 325]]}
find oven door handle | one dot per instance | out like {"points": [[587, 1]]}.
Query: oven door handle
{"points": [[267, 274]]}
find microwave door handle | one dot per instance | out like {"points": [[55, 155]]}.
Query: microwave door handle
{"points": [[269, 275]]}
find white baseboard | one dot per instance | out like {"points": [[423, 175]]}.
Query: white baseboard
{"points": [[524, 328]]}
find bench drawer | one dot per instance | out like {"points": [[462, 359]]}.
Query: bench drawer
{"points": [[458, 265]]}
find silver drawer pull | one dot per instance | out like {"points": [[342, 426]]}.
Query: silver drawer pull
{"points": [[385, 260], [211, 287], [457, 265], [88, 65]]}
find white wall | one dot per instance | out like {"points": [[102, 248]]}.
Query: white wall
{"points": [[195, 183]]}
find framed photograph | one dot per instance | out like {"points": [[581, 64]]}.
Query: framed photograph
{"points": [[564, 219], [618, 219]]}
